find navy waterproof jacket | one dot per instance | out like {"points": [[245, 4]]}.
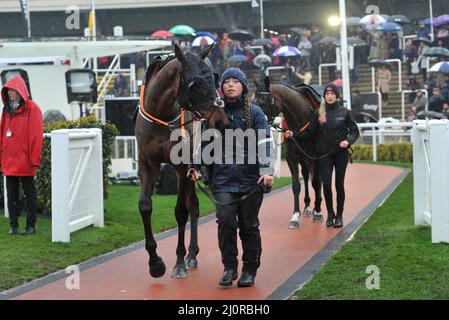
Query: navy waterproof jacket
{"points": [[242, 177]]}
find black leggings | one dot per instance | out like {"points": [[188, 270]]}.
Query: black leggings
{"points": [[242, 215], [339, 160], [29, 188]]}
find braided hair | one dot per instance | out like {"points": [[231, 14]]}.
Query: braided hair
{"points": [[247, 106]]}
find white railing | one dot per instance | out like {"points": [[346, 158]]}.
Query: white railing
{"points": [[110, 72], [320, 74], [373, 77], [403, 100], [378, 132], [431, 176], [76, 181]]}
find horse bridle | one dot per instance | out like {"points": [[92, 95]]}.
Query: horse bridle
{"points": [[271, 105]]}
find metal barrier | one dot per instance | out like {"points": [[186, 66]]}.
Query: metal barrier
{"points": [[373, 76], [320, 72], [410, 91], [380, 130]]}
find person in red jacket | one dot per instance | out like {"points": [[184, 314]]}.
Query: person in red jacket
{"points": [[21, 148]]}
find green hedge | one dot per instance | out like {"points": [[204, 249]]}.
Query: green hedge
{"points": [[43, 178], [392, 151]]}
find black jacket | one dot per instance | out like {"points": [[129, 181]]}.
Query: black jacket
{"points": [[339, 126], [236, 177]]}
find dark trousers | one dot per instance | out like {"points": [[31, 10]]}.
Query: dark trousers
{"points": [[338, 160], [29, 188], [242, 215]]}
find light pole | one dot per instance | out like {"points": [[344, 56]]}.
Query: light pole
{"points": [[431, 18], [261, 20], [344, 55]]}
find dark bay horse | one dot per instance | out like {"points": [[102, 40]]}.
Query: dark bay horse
{"points": [[275, 99], [189, 81]]}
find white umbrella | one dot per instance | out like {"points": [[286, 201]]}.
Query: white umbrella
{"points": [[287, 51], [261, 58], [202, 41], [372, 20], [440, 67]]}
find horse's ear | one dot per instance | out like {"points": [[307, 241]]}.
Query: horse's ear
{"points": [[180, 56], [206, 50], [267, 83]]}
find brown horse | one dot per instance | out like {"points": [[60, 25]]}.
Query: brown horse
{"points": [[277, 98], [188, 81]]}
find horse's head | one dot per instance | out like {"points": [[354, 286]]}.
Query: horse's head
{"points": [[199, 83], [265, 99]]}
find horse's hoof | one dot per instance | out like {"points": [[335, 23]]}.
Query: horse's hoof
{"points": [[317, 218], [308, 211], [191, 263], [293, 225], [157, 268], [179, 272]]}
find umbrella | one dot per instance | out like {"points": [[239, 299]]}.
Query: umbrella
{"points": [[182, 30], [385, 16], [353, 41], [204, 33], [422, 39], [238, 58], [162, 34], [338, 83], [425, 21], [297, 30], [440, 67], [352, 21], [260, 59], [378, 62], [372, 20], [388, 27], [287, 51], [437, 52], [329, 40], [441, 20], [202, 41], [369, 115], [262, 42], [397, 18], [241, 35], [443, 33]]}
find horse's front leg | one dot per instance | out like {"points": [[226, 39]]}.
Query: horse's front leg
{"points": [[192, 204], [181, 214], [148, 174], [296, 188]]}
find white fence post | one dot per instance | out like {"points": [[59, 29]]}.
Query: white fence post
{"points": [[60, 183], [5, 198], [431, 176], [77, 181]]}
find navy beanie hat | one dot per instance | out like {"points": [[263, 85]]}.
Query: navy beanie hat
{"points": [[235, 73], [332, 87]]}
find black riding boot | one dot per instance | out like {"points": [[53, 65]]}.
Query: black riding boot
{"points": [[330, 220], [338, 221]]}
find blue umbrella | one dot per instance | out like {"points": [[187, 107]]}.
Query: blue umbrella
{"points": [[388, 27], [204, 34], [440, 67], [238, 58]]}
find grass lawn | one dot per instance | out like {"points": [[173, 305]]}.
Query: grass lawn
{"points": [[411, 267], [26, 258]]}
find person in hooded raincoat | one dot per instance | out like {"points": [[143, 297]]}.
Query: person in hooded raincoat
{"points": [[21, 141]]}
